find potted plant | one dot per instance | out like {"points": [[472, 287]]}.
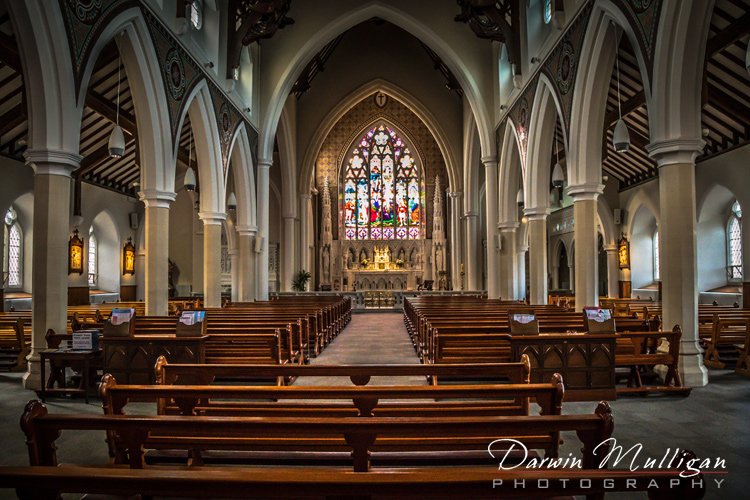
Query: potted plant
{"points": [[299, 283]]}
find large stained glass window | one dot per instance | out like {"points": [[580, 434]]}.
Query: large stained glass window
{"points": [[382, 189], [734, 243]]}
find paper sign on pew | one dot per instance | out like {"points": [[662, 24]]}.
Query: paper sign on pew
{"points": [[120, 316], [85, 340], [190, 318]]}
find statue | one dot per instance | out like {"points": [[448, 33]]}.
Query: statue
{"points": [[326, 264]]}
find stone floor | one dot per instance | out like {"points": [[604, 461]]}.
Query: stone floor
{"points": [[712, 422]]}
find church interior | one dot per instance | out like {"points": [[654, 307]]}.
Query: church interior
{"points": [[374, 248]]}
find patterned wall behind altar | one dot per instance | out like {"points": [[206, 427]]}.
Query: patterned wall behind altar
{"points": [[348, 129]]}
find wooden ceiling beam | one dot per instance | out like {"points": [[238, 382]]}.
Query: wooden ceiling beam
{"points": [[104, 107], [9, 51], [628, 107], [13, 118], [739, 28], [92, 160]]}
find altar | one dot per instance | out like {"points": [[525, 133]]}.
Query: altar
{"points": [[381, 273]]}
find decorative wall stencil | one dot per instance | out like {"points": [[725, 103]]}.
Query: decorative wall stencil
{"points": [[84, 22], [521, 116], [227, 121], [561, 66], [179, 72], [336, 145], [643, 17]]}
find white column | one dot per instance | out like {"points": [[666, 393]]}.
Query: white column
{"points": [[537, 218], [613, 271], [745, 224], [457, 257], [49, 281], [304, 231], [234, 258], [157, 250], [246, 248], [677, 241], [586, 250], [263, 200], [212, 258], [490, 169], [508, 256], [288, 267], [471, 258], [521, 271]]}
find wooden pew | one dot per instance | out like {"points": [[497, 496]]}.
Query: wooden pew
{"points": [[14, 346], [206, 374], [725, 335], [743, 362], [477, 483], [364, 438]]}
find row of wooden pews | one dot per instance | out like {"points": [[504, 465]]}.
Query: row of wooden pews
{"points": [[399, 441], [470, 330]]}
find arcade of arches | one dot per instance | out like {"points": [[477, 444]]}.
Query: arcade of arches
{"points": [[547, 153]]}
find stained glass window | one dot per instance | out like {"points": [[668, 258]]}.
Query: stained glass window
{"points": [[656, 255], [196, 14], [92, 257], [14, 255], [734, 243], [547, 11], [382, 189]]}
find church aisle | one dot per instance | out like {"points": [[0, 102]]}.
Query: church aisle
{"points": [[370, 338]]}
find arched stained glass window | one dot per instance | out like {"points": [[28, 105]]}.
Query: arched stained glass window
{"points": [[382, 189], [734, 243], [92, 257], [13, 242], [547, 11]]}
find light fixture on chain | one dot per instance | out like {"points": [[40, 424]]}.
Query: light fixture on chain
{"points": [[116, 143], [620, 136]]}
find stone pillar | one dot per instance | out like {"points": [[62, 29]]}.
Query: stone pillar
{"points": [[508, 256], [613, 271], [212, 258], [491, 195], [472, 267], [555, 275], [49, 281], [537, 218], [304, 231], [263, 200], [246, 276], [677, 240], [157, 250], [586, 250], [745, 260], [521, 271], [457, 257], [234, 258], [288, 267]]}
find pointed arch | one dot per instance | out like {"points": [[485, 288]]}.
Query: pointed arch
{"points": [[157, 157], [545, 111], [283, 77], [591, 91], [207, 148], [242, 168], [307, 172], [511, 176]]}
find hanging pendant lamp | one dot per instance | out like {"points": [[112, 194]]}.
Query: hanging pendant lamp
{"points": [[190, 181], [620, 136], [116, 143]]}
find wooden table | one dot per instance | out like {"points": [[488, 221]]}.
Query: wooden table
{"points": [[64, 357]]}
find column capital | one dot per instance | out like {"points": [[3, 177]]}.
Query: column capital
{"points": [[471, 214], [611, 248], [157, 198], [212, 218], [675, 151], [305, 196], [508, 227], [454, 194], [523, 248], [588, 191], [537, 213], [265, 164], [245, 230], [289, 216], [489, 161], [52, 161]]}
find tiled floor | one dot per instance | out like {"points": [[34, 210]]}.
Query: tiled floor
{"points": [[712, 422]]}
